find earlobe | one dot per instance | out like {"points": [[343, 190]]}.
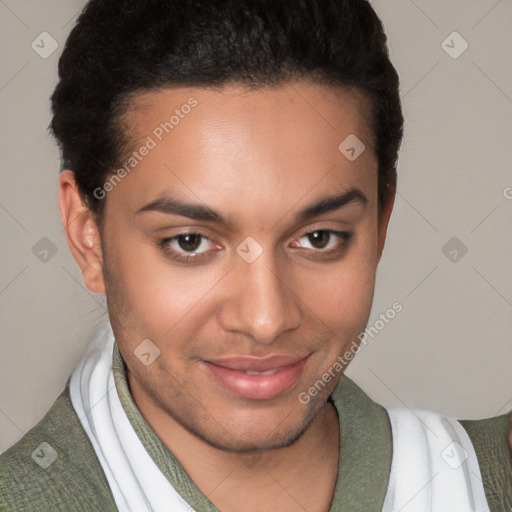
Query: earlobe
{"points": [[384, 216], [82, 233]]}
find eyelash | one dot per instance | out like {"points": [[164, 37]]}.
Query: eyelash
{"points": [[344, 236]]}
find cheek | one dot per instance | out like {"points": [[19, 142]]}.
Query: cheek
{"points": [[152, 295], [344, 306], [341, 294]]}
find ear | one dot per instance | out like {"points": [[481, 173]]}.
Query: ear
{"points": [[81, 232], [384, 216]]}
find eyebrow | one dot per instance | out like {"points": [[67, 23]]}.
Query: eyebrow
{"points": [[174, 206]]}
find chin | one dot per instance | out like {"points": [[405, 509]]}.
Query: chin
{"points": [[252, 434]]}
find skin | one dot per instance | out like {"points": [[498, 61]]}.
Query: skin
{"points": [[256, 157]]}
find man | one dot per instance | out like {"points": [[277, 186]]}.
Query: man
{"points": [[230, 171]]}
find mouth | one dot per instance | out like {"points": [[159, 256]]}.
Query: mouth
{"points": [[257, 378]]}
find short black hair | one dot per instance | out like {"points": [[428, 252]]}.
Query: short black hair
{"points": [[120, 47]]}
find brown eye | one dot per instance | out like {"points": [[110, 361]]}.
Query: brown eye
{"points": [[188, 247], [189, 242], [324, 240], [319, 239]]}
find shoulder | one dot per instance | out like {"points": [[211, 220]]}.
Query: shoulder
{"points": [[464, 461], [54, 467], [492, 440]]}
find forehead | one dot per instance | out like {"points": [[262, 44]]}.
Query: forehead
{"points": [[269, 144], [300, 104]]}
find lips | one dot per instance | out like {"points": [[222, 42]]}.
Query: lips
{"points": [[256, 378]]}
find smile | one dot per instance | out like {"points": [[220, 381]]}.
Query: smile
{"points": [[256, 379]]}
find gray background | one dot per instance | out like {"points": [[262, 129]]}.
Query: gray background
{"points": [[450, 348]]}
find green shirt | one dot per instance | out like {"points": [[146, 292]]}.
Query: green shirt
{"points": [[74, 480]]}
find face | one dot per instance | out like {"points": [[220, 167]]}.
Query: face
{"points": [[243, 244]]}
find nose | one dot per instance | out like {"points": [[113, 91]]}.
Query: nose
{"points": [[259, 302]]}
